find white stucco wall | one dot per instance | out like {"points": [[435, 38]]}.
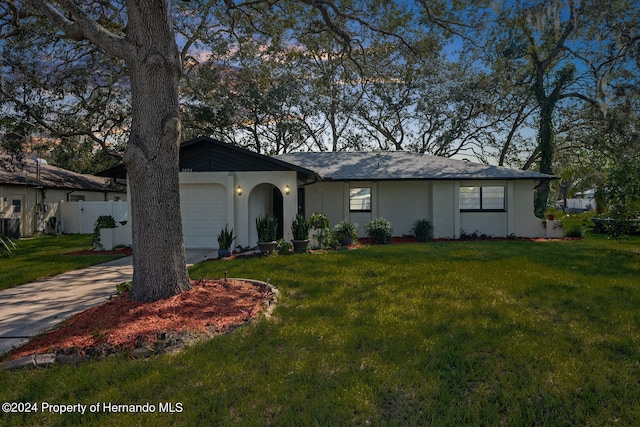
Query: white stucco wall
{"points": [[255, 199], [404, 202], [522, 221], [445, 215], [400, 202], [327, 198]]}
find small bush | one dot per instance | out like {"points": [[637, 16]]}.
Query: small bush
{"points": [[284, 247], [123, 287], [345, 233], [422, 230], [574, 231], [476, 235], [379, 230], [319, 223]]}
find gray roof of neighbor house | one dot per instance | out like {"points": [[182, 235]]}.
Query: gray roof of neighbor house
{"points": [[394, 165], [39, 174]]}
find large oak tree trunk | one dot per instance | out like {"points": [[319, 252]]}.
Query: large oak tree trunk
{"points": [[151, 157], [546, 150]]}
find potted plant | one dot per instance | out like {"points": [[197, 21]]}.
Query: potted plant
{"points": [[225, 239], [267, 227], [103, 221], [346, 233], [423, 230], [379, 230], [300, 229], [321, 230]]}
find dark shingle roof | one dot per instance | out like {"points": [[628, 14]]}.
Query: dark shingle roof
{"points": [[13, 173], [394, 165]]}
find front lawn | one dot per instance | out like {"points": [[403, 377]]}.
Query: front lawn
{"points": [[447, 334], [43, 256]]}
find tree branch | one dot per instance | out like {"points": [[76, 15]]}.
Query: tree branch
{"points": [[81, 26], [9, 17], [581, 97], [323, 7]]}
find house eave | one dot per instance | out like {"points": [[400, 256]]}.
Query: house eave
{"points": [[454, 178]]}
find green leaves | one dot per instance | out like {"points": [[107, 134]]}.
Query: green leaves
{"points": [[623, 194], [7, 246]]}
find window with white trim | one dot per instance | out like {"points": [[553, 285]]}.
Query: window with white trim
{"points": [[360, 199], [489, 198]]}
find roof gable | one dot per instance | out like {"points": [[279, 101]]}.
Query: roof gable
{"points": [[204, 154], [397, 165]]}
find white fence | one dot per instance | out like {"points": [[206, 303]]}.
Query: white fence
{"points": [[80, 217]]}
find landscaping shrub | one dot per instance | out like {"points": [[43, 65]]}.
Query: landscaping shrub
{"points": [[319, 223], [379, 230], [423, 230], [123, 287], [345, 233], [623, 194], [284, 247], [574, 231], [6, 246]]}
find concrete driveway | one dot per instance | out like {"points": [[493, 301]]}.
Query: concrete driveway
{"points": [[35, 307]]}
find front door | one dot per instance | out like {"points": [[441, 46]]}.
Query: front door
{"points": [[301, 202], [278, 211]]}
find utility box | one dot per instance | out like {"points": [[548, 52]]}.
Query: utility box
{"points": [[10, 227]]}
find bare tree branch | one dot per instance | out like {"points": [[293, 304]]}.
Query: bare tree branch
{"points": [[81, 27]]}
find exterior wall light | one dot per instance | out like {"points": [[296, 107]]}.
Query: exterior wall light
{"points": [[239, 190], [287, 190]]}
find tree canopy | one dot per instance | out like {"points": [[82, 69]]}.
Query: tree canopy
{"points": [[551, 84]]}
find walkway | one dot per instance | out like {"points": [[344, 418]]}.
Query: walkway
{"points": [[35, 307]]}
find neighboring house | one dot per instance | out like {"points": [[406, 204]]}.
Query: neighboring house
{"points": [[31, 190], [582, 202], [221, 184]]}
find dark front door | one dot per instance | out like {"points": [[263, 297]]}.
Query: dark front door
{"points": [[301, 202], [278, 211]]}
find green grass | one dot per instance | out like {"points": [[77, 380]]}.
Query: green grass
{"points": [[453, 333], [43, 256]]}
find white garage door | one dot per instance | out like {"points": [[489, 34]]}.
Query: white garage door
{"points": [[204, 214]]}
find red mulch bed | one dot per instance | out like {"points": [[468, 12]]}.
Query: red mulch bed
{"points": [[118, 251], [394, 240], [121, 324]]}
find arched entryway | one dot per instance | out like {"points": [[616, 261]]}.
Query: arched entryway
{"points": [[265, 199]]}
